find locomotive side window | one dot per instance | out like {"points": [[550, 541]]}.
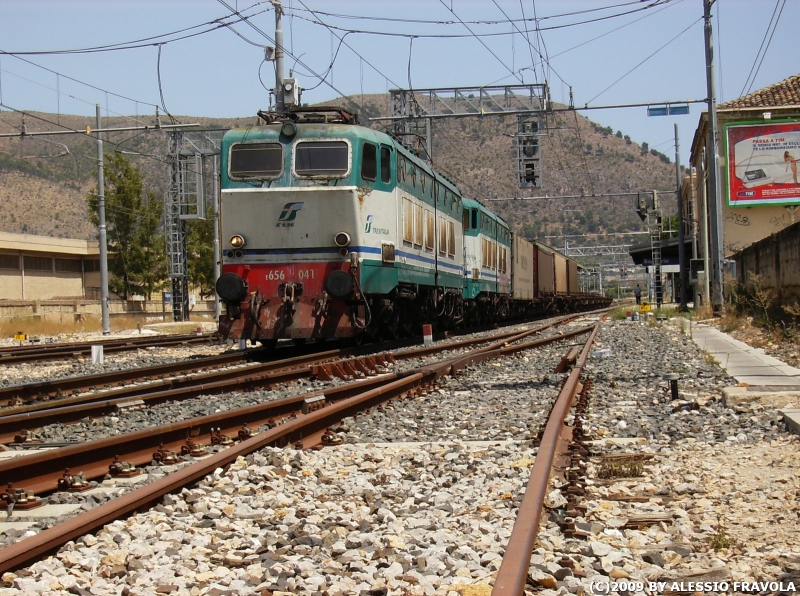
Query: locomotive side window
{"points": [[429, 230], [451, 239], [408, 221], [321, 158], [417, 225], [442, 236], [386, 165], [256, 160], [465, 219], [369, 162]]}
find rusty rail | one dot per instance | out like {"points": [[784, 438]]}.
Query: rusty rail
{"points": [[28, 418], [302, 431], [513, 572], [60, 351]]}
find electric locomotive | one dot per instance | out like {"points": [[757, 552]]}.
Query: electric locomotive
{"points": [[331, 229]]}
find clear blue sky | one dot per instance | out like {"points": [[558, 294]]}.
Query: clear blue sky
{"points": [[216, 73]]}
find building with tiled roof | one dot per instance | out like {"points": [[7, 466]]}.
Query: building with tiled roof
{"points": [[783, 94], [758, 138]]}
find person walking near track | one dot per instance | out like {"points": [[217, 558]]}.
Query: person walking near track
{"points": [[637, 292]]}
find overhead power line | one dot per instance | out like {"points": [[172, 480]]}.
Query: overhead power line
{"points": [[773, 24], [155, 40], [466, 24], [646, 59], [482, 42], [480, 22], [246, 20]]}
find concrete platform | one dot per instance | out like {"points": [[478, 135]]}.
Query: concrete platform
{"points": [[792, 418], [763, 378], [744, 363]]}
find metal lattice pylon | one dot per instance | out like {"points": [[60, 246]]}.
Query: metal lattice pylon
{"points": [[185, 200]]}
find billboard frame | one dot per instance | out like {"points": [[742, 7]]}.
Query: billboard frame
{"points": [[782, 193]]}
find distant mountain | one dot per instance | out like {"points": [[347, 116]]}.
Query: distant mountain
{"points": [[44, 180]]}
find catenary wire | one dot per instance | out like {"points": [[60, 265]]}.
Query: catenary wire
{"points": [[372, 66], [645, 60], [761, 47], [271, 40], [482, 22], [481, 41], [764, 53], [145, 42]]}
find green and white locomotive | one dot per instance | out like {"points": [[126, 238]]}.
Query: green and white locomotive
{"points": [[335, 230]]}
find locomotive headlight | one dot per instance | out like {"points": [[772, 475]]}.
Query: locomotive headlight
{"points": [[342, 239], [237, 241]]}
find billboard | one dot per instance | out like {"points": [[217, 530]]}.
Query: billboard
{"points": [[763, 162]]}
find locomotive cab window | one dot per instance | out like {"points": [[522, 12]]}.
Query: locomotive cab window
{"points": [[386, 165], [256, 160], [474, 225], [330, 159], [369, 162]]}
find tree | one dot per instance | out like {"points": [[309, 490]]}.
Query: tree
{"points": [[133, 218], [200, 246]]}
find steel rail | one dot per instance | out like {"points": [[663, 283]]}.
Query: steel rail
{"points": [[30, 549], [119, 341], [57, 388], [14, 420], [304, 431], [166, 374], [40, 471], [513, 572], [63, 351]]}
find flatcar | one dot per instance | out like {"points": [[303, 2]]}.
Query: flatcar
{"points": [[335, 230]]}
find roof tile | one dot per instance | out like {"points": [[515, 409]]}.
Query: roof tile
{"points": [[785, 93]]}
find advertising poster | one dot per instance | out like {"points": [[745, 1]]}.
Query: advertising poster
{"points": [[763, 163]]}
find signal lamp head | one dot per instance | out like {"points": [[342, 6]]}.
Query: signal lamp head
{"points": [[342, 239], [288, 129], [237, 241]]}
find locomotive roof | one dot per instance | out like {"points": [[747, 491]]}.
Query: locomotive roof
{"points": [[476, 204], [265, 132]]}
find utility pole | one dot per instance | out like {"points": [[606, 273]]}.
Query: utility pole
{"points": [[101, 216], [215, 219], [280, 104], [717, 250], [682, 272]]}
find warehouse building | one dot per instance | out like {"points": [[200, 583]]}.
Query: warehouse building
{"points": [[44, 268]]}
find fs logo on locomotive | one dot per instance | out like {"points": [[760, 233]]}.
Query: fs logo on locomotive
{"points": [[368, 227], [288, 215]]}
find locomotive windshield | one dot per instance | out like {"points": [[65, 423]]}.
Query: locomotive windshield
{"points": [[256, 160], [321, 158]]}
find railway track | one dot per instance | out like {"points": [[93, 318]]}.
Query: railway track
{"points": [[298, 421], [161, 383], [65, 351], [17, 424]]}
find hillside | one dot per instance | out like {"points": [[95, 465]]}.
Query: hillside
{"points": [[43, 187]]}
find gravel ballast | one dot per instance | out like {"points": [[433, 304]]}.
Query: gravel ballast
{"points": [[421, 496]]}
